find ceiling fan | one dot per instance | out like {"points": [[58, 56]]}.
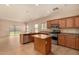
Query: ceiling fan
{"points": [[53, 12]]}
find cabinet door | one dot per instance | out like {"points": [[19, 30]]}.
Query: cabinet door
{"points": [[61, 40], [70, 41], [26, 39], [48, 24], [31, 38], [48, 45], [77, 22], [77, 42], [70, 22], [62, 23], [55, 21]]}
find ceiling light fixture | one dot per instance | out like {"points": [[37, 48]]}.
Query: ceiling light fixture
{"points": [[55, 9], [36, 4], [7, 4]]}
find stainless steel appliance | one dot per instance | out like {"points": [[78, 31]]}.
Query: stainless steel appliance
{"points": [[55, 30]]}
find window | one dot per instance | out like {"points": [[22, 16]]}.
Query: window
{"points": [[27, 29], [36, 27], [14, 30], [43, 26]]}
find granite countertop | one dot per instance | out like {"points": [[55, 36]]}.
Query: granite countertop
{"points": [[35, 33], [71, 33], [42, 36]]}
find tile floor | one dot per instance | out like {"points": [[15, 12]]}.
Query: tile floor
{"points": [[11, 46]]}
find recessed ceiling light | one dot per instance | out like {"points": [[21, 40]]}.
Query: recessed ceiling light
{"points": [[36, 4], [48, 11], [7, 4]]}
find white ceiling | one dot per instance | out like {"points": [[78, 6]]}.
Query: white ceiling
{"points": [[25, 12]]}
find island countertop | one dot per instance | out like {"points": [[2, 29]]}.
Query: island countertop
{"points": [[46, 33], [42, 36]]}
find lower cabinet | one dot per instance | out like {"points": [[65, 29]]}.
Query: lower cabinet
{"points": [[31, 38], [61, 39], [77, 42], [69, 40], [25, 38]]}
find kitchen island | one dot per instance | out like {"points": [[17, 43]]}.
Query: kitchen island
{"points": [[42, 43], [27, 37]]}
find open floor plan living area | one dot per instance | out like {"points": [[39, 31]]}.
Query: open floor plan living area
{"points": [[39, 29]]}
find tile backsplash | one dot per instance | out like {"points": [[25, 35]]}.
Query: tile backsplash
{"points": [[70, 30]]}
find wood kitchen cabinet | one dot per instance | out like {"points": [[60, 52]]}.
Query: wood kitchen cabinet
{"points": [[70, 22], [52, 22], [61, 39], [55, 21], [25, 38], [77, 22], [62, 23], [42, 43], [49, 24], [70, 40], [31, 38], [77, 42]]}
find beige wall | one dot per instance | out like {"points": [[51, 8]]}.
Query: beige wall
{"points": [[61, 13], [4, 27]]}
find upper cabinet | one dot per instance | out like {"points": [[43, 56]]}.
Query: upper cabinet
{"points": [[51, 22], [77, 22], [62, 23], [70, 22], [54, 21]]}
